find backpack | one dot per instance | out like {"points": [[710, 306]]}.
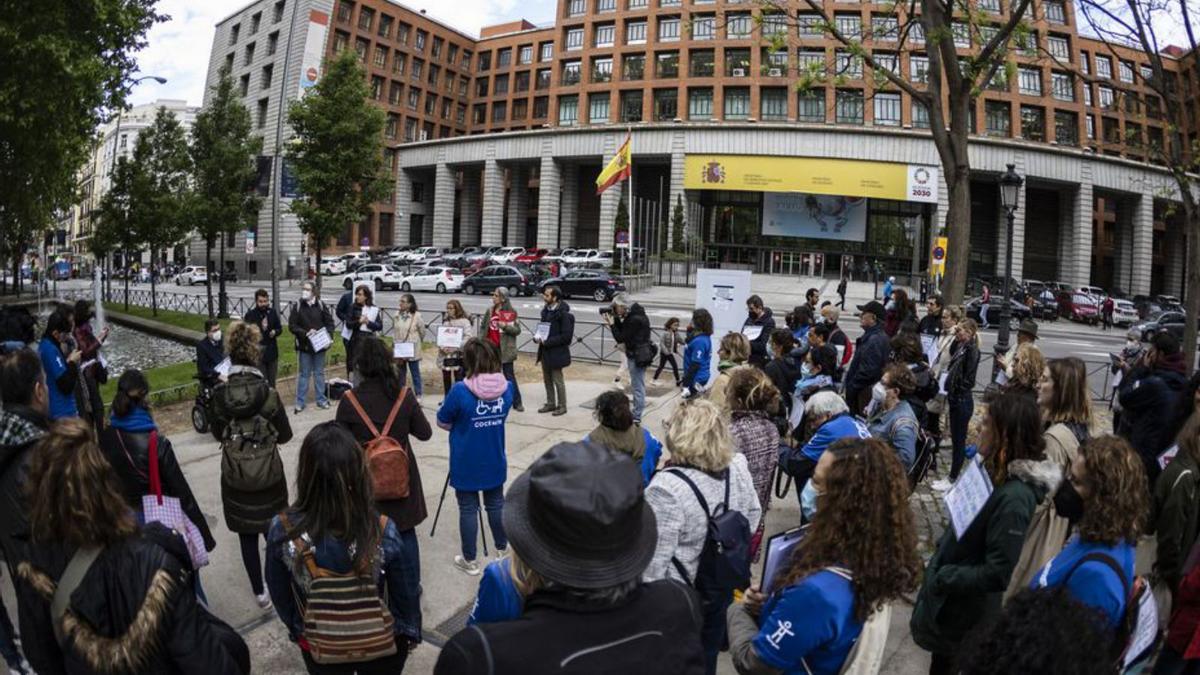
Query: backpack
{"points": [[250, 458], [387, 458], [345, 620], [1138, 632], [926, 454], [725, 559]]}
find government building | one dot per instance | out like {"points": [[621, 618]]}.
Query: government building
{"points": [[497, 139]]}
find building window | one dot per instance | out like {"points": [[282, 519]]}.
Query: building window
{"points": [[635, 33], [962, 34], [631, 106], [546, 51], [775, 63], [737, 62], [541, 107], [668, 3], [887, 109], [479, 113], [1066, 128], [810, 62], [1125, 71], [576, 7], [485, 61], [920, 115], [701, 63], [774, 25], [737, 103], [1104, 67], [886, 61], [379, 60], [1059, 48], [574, 39], [605, 6], [1091, 127], [633, 67], [499, 111], [249, 54], [1055, 11], [737, 26], [809, 25], [360, 48], [1030, 81], [385, 26], [1107, 99], [568, 110], [666, 104], [414, 98], [604, 35], [666, 65], [272, 43], [885, 28], [262, 112], [1147, 72], [395, 93], [501, 85], [918, 69], [1062, 85], [235, 31], [1033, 123], [997, 118], [704, 27], [849, 106], [402, 33], [392, 127], [598, 107], [504, 58], [602, 69], [773, 104], [418, 69], [520, 109], [244, 84], [990, 5], [419, 43], [668, 30], [521, 81], [1085, 63], [366, 18], [637, 4], [848, 65], [916, 33], [399, 62], [436, 52], [811, 106], [376, 88], [570, 73], [849, 25], [525, 55], [542, 80], [1112, 130], [700, 103], [278, 14]]}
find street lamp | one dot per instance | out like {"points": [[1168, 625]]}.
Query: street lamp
{"points": [[1010, 191]]}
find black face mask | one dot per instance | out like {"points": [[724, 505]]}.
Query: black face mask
{"points": [[1067, 502]]}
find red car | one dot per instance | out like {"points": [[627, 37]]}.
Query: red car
{"points": [[1079, 307], [532, 255]]}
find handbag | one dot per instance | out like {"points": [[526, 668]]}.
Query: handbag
{"points": [[157, 508]]}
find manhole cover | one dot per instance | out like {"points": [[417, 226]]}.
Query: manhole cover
{"points": [[445, 630]]}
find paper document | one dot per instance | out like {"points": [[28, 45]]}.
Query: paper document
{"points": [[404, 350], [778, 556], [929, 346], [966, 498], [841, 352], [752, 332], [1146, 630], [320, 340], [541, 332], [347, 331], [942, 383], [450, 337], [371, 313], [1001, 377], [223, 367]]}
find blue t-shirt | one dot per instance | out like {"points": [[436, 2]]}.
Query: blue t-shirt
{"points": [[477, 459], [699, 352], [811, 623], [498, 599], [834, 429], [1093, 583], [55, 365]]}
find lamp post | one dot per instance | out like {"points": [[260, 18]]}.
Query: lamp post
{"points": [[1010, 190]]}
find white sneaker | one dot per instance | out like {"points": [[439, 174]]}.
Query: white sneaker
{"points": [[654, 382], [501, 553], [264, 600], [469, 566], [942, 485]]}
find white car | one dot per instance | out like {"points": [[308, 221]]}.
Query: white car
{"points": [[581, 255], [433, 278], [332, 265], [382, 276], [425, 253], [507, 254], [1124, 313], [191, 275], [484, 254]]}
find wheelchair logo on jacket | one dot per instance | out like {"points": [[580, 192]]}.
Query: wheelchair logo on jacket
{"points": [[483, 407]]}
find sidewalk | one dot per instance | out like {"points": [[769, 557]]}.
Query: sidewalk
{"points": [[781, 292]]}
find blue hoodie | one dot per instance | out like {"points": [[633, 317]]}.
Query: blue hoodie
{"points": [[698, 353], [55, 366], [498, 598], [834, 429], [474, 412]]}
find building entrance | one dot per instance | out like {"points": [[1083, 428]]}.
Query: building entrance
{"points": [[796, 263]]}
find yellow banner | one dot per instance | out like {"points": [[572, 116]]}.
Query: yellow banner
{"points": [[847, 177], [937, 256]]}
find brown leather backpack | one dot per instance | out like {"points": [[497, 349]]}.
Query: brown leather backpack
{"points": [[387, 458]]}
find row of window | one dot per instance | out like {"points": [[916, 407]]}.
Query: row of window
{"points": [[384, 24], [1054, 11], [235, 31]]}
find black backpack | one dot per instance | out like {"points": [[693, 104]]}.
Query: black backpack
{"points": [[725, 560], [927, 447]]}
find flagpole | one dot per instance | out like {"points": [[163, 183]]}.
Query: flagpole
{"points": [[632, 238]]}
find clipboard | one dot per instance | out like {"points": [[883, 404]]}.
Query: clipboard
{"points": [[319, 340], [777, 553], [752, 333]]}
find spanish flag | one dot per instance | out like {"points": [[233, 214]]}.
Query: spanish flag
{"points": [[620, 168]]}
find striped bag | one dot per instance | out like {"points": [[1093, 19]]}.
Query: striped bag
{"points": [[345, 620]]}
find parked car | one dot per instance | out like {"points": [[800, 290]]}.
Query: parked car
{"points": [[558, 254], [1124, 313], [507, 254], [581, 255], [1078, 306], [457, 252], [1094, 291], [595, 284], [381, 276], [519, 279], [1043, 305], [433, 278], [229, 275], [192, 275], [532, 255], [1019, 311], [483, 254], [332, 265], [355, 260], [1172, 322]]}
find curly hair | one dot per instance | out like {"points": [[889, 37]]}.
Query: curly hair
{"points": [[1027, 366], [734, 347], [865, 524], [75, 497], [242, 344], [751, 389], [1041, 631], [1014, 431], [1118, 504], [901, 378]]}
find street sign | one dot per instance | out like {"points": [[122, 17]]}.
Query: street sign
{"points": [[622, 239], [937, 258], [250, 235]]}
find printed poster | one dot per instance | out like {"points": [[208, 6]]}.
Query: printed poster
{"points": [[812, 216]]}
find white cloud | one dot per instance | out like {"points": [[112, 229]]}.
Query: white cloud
{"points": [[178, 49]]}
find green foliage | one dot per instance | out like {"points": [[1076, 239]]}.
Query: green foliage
{"points": [[338, 152], [621, 223], [162, 168], [66, 63], [677, 225]]}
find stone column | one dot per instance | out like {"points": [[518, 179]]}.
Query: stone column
{"points": [[548, 200], [469, 209], [610, 201], [1066, 233], [404, 208], [518, 204], [1143, 244], [676, 191], [443, 205], [493, 203], [568, 229], [1081, 253], [1176, 250]]}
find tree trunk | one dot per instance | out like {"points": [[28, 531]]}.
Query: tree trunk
{"points": [[1192, 297], [222, 299], [125, 259], [318, 265], [208, 273], [958, 236], [153, 284]]}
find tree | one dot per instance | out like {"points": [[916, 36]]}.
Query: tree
{"points": [[955, 77], [115, 216], [66, 64], [337, 155], [160, 200], [224, 167], [677, 225]]}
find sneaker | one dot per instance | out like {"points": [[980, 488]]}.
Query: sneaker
{"points": [[519, 408], [501, 553], [264, 600], [549, 407], [323, 404], [297, 410], [941, 485], [469, 566], [654, 382], [560, 411]]}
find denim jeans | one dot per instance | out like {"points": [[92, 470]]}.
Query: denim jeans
{"points": [[637, 380], [468, 518], [415, 368], [311, 365], [983, 314], [961, 409]]}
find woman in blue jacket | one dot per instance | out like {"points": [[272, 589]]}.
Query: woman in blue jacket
{"points": [[810, 620], [1104, 495], [697, 357]]}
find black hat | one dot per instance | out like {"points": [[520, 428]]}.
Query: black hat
{"points": [[578, 517], [873, 307], [1028, 327]]}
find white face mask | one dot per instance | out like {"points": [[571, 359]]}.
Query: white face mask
{"points": [[216, 336], [878, 392], [1131, 343], [306, 295]]}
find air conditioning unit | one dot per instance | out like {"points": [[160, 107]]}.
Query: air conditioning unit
{"points": [[739, 72], [775, 72], [423, 135]]}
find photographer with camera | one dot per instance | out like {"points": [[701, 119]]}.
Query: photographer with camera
{"points": [[631, 329]]}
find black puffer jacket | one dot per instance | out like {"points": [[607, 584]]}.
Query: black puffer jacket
{"points": [[555, 350], [1150, 401], [134, 612], [20, 430], [632, 330], [129, 454]]}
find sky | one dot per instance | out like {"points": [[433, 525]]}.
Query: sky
{"points": [[178, 49]]}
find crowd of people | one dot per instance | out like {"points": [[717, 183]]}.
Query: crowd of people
{"points": [[622, 551]]}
